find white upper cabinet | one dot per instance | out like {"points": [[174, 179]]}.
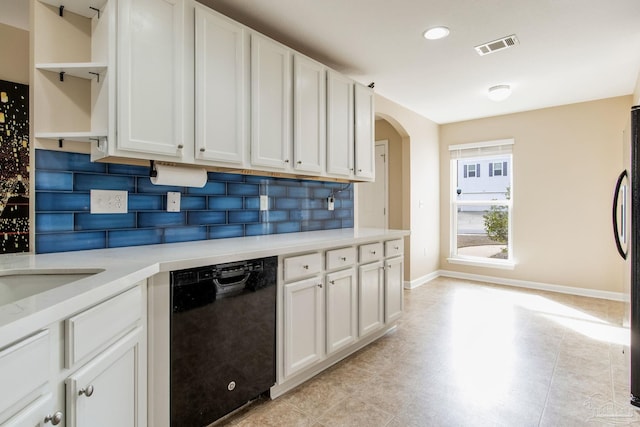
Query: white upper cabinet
{"points": [[221, 88], [270, 104], [309, 115], [151, 77], [339, 125], [364, 133]]}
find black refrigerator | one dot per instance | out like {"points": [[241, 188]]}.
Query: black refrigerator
{"points": [[626, 223]]}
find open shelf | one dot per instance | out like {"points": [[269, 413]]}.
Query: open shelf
{"points": [[83, 70], [73, 136], [88, 8]]}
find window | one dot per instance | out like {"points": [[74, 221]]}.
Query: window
{"points": [[481, 208], [498, 169]]}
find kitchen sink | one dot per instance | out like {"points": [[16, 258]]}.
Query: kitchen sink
{"points": [[18, 284]]}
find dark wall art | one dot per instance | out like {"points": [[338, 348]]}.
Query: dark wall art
{"points": [[14, 167]]}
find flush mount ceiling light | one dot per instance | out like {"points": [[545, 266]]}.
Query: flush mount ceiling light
{"points": [[499, 92], [436, 33]]}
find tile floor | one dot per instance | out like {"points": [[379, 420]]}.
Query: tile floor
{"points": [[473, 354]]}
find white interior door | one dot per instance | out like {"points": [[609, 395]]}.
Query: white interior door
{"points": [[373, 196]]}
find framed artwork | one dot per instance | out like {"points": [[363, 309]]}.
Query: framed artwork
{"points": [[14, 167]]}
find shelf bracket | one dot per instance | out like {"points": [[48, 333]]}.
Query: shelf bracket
{"points": [[95, 74], [60, 142], [97, 10], [62, 76], [61, 10]]}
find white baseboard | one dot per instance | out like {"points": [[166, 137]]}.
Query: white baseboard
{"points": [[411, 284], [593, 293]]}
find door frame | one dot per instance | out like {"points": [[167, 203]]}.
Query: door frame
{"points": [[385, 143]]}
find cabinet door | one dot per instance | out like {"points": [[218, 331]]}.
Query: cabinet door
{"points": [[309, 114], [371, 308], [303, 324], [105, 392], [364, 133], [270, 104], [221, 87], [342, 309], [151, 57], [394, 288], [339, 125]]}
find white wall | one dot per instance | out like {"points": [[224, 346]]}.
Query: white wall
{"points": [[565, 163]]}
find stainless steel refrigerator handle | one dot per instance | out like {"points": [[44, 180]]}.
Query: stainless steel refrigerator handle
{"points": [[616, 193]]}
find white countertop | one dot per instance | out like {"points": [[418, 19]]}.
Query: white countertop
{"points": [[124, 267]]}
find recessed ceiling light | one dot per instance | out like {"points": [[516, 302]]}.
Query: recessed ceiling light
{"points": [[436, 33], [499, 92]]}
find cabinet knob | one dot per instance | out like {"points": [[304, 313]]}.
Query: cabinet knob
{"points": [[396, 247], [351, 169], [359, 170], [88, 391], [320, 285], [286, 161], [306, 267], [180, 146], [333, 282], [202, 150], [54, 419], [343, 258], [299, 162], [373, 252]]}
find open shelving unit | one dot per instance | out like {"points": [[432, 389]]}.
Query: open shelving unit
{"points": [[74, 97]]}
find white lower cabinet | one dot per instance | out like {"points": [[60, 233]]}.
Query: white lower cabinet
{"points": [[393, 288], [371, 289], [304, 320], [86, 370], [342, 309], [104, 391]]}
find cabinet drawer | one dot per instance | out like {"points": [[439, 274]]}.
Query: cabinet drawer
{"points": [[393, 247], [24, 368], [97, 326], [337, 258], [370, 252], [301, 266]]}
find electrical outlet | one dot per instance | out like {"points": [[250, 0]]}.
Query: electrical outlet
{"points": [[264, 202], [173, 201], [108, 201], [331, 203]]}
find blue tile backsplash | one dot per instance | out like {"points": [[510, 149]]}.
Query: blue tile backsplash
{"points": [[227, 206]]}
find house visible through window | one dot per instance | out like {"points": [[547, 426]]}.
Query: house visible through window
{"points": [[481, 207]]}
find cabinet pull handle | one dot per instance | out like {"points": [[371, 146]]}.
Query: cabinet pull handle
{"points": [[306, 267], [202, 150], [54, 419], [320, 285], [88, 391]]}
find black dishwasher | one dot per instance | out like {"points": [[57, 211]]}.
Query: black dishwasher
{"points": [[222, 338]]}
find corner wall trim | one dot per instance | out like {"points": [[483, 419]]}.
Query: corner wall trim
{"points": [[593, 293]]}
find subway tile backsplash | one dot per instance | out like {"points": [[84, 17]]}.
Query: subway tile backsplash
{"points": [[227, 206]]}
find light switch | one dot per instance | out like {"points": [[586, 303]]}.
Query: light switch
{"points": [[173, 201], [264, 202]]}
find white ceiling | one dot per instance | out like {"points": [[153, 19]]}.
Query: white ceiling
{"points": [[570, 50]]}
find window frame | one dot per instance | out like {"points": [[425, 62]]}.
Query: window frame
{"points": [[455, 203]]}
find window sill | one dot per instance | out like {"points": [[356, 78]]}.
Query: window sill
{"points": [[480, 262]]}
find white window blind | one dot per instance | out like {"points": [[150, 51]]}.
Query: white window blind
{"points": [[481, 149]]}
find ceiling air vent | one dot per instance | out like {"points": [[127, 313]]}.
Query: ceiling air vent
{"points": [[496, 45]]}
